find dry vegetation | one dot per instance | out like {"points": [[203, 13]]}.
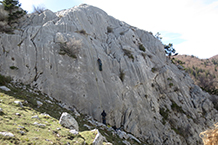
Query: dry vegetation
{"points": [[202, 71]]}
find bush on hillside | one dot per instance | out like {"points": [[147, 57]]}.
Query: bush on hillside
{"points": [[71, 48], [13, 7], [3, 14], [4, 27]]}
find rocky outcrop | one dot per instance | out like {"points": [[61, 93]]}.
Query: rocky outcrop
{"points": [[141, 91], [68, 121]]}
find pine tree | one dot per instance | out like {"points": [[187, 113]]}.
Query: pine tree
{"points": [[169, 50], [14, 9]]}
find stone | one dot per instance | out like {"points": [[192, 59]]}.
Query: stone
{"points": [[98, 138], [5, 88], [130, 136], [19, 103], [122, 134], [126, 142], [87, 126], [73, 131], [1, 110], [22, 132], [39, 103], [39, 124], [36, 117], [18, 114], [68, 121], [7, 134]]}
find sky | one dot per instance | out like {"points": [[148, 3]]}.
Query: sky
{"points": [[191, 25]]}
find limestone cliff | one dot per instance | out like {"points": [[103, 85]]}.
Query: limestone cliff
{"points": [[141, 91]]}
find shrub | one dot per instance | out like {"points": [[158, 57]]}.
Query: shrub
{"points": [[71, 48], [3, 14], [109, 29], [141, 47], [171, 84], [143, 55], [4, 27], [154, 69], [121, 33], [38, 9], [128, 53], [164, 113], [169, 79], [122, 75], [13, 68], [4, 80], [82, 32], [176, 108]]}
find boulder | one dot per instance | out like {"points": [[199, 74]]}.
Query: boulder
{"points": [[39, 103], [68, 121], [19, 103], [5, 88], [98, 138], [7, 134], [73, 131]]}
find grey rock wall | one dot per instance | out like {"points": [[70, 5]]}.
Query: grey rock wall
{"points": [[141, 91]]}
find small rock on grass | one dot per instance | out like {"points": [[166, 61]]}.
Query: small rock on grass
{"points": [[36, 116], [18, 114], [73, 131], [22, 132], [19, 103], [38, 124], [1, 110], [8, 134], [39, 103], [5, 88]]}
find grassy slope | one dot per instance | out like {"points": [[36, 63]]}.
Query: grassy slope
{"points": [[48, 134]]}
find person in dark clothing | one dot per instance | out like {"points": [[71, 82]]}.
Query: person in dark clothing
{"points": [[103, 114], [100, 64]]}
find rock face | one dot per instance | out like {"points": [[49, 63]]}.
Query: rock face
{"points": [[138, 87]]}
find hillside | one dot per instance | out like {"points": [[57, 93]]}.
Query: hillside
{"points": [[30, 123], [202, 71], [89, 61]]}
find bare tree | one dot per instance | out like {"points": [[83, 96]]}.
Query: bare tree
{"points": [[39, 9]]}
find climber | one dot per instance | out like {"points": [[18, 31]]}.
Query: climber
{"points": [[100, 64], [103, 114]]}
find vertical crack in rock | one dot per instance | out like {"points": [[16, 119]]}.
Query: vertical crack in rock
{"points": [[36, 62]]}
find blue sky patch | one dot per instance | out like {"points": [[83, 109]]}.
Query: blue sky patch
{"points": [[170, 37]]}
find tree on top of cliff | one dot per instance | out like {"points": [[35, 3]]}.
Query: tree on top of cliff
{"points": [[14, 10], [169, 50]]}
